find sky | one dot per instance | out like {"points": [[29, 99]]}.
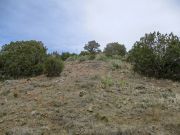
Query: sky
{"points": [[67, 25]]}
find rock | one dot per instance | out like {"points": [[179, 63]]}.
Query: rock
{"points": [[15, 95], [90, 108], [82, 93], [104, 118], [45, 128], [59, 93], [142, 92], [119, 106], [8, 82], [1, 121], [23, 123], [125, 102], [2, 103], [140, 87], [33, 113], [101, 117], [175, 85], [169, 90], [29, 87]]}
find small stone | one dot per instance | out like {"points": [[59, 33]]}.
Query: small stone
{"points": [[8, 82], [59, 93], [15, 95], [82, 93], [141, 87], [57, 81], [104, 118], [1, 121], [29, 87], [33, 113], [90, 108], [45, 128], [125, 102], [119, 105], [23, 123], [57, 110], [169, 89]]}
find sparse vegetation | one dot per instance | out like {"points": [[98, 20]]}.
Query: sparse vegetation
{"points": [[116, 64], [101, 57], [90, 94], [96, 89], [107, 82], [97, 76], [122, 83], [119, 57], [84, 58]]}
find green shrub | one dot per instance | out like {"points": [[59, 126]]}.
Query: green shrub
{"points": [[22, 59], [83, 53], [92, 56], [65, 55], [117, 57], [73, 58], [53, 66], [121, 83], [107, 82], [55, 54], [101, 57], [1, 61], [157, 55], [116, 64], [1, 66], [115, 49], [84, 58]]}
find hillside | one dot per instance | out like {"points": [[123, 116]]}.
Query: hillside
{"points": [[90, 98]]}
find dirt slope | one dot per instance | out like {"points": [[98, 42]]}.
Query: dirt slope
{"points": [[90, 99]]}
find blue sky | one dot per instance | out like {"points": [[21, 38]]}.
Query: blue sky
{"points": [[66, 25]]}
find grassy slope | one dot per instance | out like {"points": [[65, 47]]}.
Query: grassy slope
{"points": [[90, 98]]}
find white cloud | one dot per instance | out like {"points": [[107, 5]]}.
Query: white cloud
{"points": [[66, 25], [126, 21]]}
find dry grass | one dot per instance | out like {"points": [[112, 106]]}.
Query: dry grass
{"points": [[90, 99]]}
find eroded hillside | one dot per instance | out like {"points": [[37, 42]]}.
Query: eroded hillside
{"points": [[90, 98]]}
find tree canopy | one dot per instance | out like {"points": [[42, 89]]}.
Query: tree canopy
{"points": [[115, 49], [22, 58], [157, 55], [92, 47]]}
